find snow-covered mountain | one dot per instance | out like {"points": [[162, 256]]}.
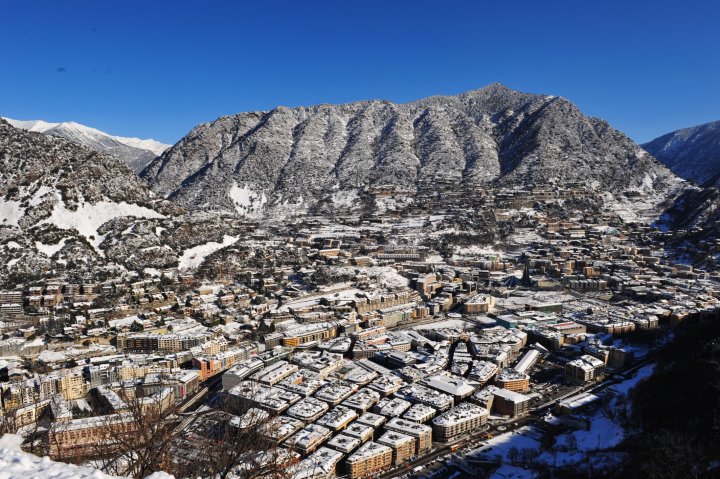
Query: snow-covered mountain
{"points": [[297, 158], [136, 153], [692, 153], [67, 209]]}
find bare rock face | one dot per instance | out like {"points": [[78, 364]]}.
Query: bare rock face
{"points": [[263, 161]]}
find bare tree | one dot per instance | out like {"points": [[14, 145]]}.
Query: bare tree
{"points": [[136, 442], [233, 441], [150, 435], [9, 423], [28, 422]]}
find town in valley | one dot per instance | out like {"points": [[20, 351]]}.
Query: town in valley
{"points": [[376, 344]]}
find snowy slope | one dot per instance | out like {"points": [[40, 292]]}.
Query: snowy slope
{"points": [[692, 153], [58, 202], [136, 153], [67, 210], [193, 257]]}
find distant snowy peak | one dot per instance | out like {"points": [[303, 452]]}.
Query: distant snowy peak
{"points": [[693, 153], [149, 144], [135, 152], [32, 125]]}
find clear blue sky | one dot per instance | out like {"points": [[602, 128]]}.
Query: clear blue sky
{"points": [[157, 68]]}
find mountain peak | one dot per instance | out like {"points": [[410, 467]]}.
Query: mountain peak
{"points": [[496, 86]]}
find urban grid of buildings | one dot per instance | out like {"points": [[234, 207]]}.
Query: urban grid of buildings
{"points": [[367, 349]]}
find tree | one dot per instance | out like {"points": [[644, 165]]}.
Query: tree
{"points": [[8, 424], [572, 443], [528, 456], [513, 455], [136, 327], [32, 421], [137, 442], [233, 441]]}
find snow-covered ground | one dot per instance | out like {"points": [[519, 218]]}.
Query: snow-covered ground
{"points": [[193, 257], [51, 356], [338, 292], [578, 446], [10, 212], [475, 251], [126, 321], [384, 276], [448, 323], [247, 201], [345, 198], [50, 249], [87, 218], [95, 349], [17, 464]]}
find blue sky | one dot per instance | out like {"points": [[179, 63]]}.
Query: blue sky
{"points": [[158, 68]]}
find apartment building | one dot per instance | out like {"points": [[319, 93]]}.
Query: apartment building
{"points": [[421, 433], [584, 369], [510, 403], [309, 333], [370, 458], [513, 380], [337, 418], [79, 438], [479, 304], [321, 464], [309, 439], [419, 413], [402, 445], [461, 419]]}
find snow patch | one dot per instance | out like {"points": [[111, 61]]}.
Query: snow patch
{"points": [[50, 249], [10, 212], [17, 464], [51, 356], [89, 217], [38, 196], [150, 144], [193, 257], [246, 201], [345, 198]]}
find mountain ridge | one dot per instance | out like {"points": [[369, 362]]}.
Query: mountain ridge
{"points": [[254, 161], [692, 153], [135, 152]]}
